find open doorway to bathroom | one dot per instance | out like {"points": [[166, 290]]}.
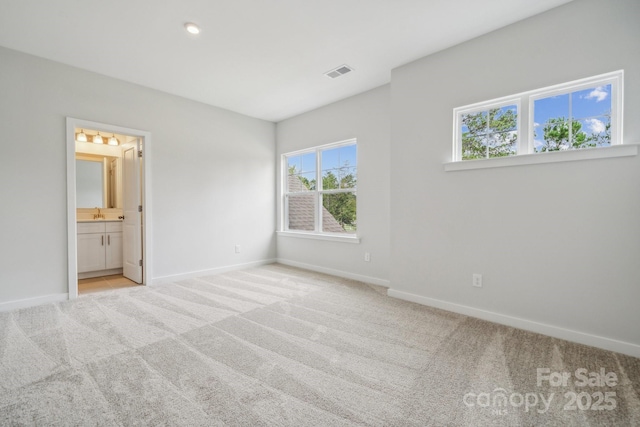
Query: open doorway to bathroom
{"points": [[104, 283], [107, 193]]}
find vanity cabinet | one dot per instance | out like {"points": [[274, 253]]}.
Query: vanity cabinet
{"points": [[99, 246]]}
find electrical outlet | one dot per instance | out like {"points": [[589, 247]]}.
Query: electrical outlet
{"points": [[367, 257], [477, 280], [238, 249]]}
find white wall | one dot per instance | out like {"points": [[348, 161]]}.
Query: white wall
{"points": [[365, 117], [212, 182], [558, 244]]}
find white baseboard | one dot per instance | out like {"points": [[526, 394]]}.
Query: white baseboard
{"points": [[339, 273], [528, 325], [30, 302], [200, 273], [99, 273]]}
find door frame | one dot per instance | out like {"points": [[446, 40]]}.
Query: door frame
{"points": [[72, 250]]}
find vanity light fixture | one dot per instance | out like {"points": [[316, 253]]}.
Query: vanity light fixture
{"points": [[98, 139], [192, 28], [113, 140], [81, 137]]}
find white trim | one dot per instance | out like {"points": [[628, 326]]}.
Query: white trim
{"points": [[31, 302], [193, 274], [529, 325], [319, 236], [315, 148], [147, 225], [546, 157], [574, 85], [339, 273], [72, 250]]}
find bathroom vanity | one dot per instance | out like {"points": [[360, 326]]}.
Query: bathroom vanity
{"points": [[99, 244]]}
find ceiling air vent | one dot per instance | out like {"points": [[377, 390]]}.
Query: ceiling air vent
{"points": [[340, 71]]}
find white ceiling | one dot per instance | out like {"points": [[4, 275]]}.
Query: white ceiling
{"points": [[262, 58]]}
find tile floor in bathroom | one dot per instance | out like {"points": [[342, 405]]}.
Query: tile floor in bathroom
{"points": [[104, 283]]}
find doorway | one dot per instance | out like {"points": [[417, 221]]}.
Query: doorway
{"points": [[128, 210]]}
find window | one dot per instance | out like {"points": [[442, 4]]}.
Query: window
{"points": [[572, 120], [582, 114], [320, 190], [489, 132]]}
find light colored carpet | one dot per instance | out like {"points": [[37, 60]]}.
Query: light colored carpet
{"points": [[278, 346]]}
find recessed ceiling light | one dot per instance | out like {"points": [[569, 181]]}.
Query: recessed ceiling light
{"points": [[192, 28]]}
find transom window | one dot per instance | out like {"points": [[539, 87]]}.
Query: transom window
{"points": [[581, 114], [572, 120], [490, 132], [320, 189]]}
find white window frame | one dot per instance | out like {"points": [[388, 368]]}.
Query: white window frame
{"points": [[615, 79], [476, 108], [525, 148], [317, 233]]}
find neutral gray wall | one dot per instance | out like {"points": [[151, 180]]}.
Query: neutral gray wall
{"points": [[365, 117], [558, 244], [212, 174]]}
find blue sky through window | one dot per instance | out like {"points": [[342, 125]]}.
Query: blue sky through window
{"points": [[340, 161], [585, 113], [304, 165], [590, 107]]}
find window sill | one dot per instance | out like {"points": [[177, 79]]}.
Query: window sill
{"points": [[317, 236], [550, 157]]}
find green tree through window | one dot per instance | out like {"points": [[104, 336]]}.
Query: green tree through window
{"points": [[557, 137], [576, 115], [320, 189], [490, 133], [342, 206]]}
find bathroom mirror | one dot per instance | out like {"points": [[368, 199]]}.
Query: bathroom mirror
{"points": [[96, 181], [89, 184]]}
